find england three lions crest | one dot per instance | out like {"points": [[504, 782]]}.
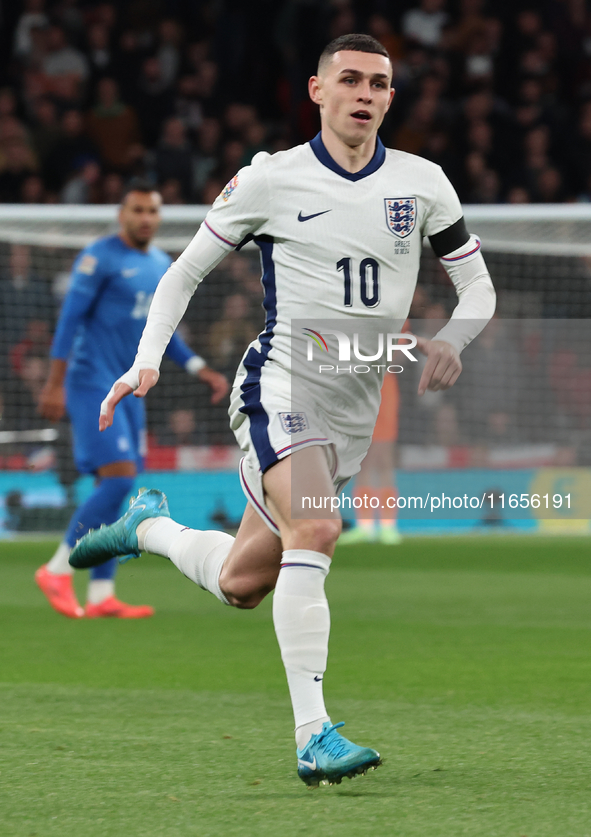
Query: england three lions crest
{"points": [[293, 422], [401, 215]]}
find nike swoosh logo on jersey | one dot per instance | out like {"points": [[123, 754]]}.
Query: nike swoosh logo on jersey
{"points": [[317, 679], [129, 272], [315, 215], [310, 764]]}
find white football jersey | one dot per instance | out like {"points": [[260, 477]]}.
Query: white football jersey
{"points": [[340, 254], [334, 245]]}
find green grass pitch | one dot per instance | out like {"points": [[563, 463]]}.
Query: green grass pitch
{"points": [[466, 662]]}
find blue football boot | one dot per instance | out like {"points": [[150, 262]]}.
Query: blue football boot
{"points": [[119, 539], [328, 757]]}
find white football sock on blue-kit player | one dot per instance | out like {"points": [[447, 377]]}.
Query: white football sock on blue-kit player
{"points": [[100, 589], [58, 564]]}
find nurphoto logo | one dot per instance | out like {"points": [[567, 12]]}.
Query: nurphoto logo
{"points": [[347, 347]]}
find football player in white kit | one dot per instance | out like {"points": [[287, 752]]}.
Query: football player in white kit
{"points": [[340, 223]]}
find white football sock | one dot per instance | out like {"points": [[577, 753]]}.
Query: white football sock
{"points": [[306, 731], [302, 624], [161, 537], [198, 555], [58, 565], [100, 589]]}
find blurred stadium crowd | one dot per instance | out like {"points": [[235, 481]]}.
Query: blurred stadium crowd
{"points": [[185, 92]]}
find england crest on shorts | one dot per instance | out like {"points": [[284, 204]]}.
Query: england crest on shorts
{"points": [[293, 422], [401, 215]]}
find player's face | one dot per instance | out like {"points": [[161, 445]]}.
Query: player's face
{"points": [[354, 93], [139, 217]]}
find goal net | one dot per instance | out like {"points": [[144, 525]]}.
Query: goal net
{"points": [[521, 413]]}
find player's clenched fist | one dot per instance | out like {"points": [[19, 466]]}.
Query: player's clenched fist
{"points": [[443, 365], [138, 381]]}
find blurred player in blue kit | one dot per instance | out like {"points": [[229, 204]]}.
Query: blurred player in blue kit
{"points": [[100, 324]]}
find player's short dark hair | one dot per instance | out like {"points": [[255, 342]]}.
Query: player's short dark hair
{"points": [[355, 43], [138, 184]]}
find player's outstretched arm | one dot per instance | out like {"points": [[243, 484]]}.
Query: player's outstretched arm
{"points": [[172, 296], [139, 382], [237, 219]]}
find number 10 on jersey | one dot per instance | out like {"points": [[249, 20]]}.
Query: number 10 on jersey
{"points": [[369, 281]]}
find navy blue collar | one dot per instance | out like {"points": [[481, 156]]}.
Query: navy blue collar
{"points": [[374, 164]]}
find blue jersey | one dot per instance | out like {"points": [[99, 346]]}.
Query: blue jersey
{"points": [[105, 311]]}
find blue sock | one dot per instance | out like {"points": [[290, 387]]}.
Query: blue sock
{"points": [[104, 571], [103, 506]]}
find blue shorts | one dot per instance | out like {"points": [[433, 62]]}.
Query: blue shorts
{"points": [[125, 440]]}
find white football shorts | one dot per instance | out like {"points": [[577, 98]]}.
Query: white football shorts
{"points": [[268, 426]]}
